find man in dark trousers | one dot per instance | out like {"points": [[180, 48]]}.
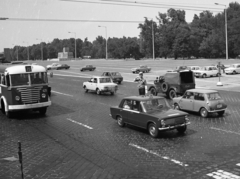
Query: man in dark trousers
{"points": [[142, 84]]}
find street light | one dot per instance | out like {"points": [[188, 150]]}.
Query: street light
{"points": [[152, 38], [27, 50], [225, 9], [106, 40], [17, 51], [41, 48], [75, 45]]}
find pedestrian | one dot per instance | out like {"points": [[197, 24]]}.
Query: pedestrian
{"points": [[142, 84]]}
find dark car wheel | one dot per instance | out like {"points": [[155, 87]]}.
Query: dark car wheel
{"points": [[120, 121], [172, 94], [153, 130], [176, 106], [85, 88], [164, 87], [98, 91], [221, 113], [153, 91], [182, 129], [203, 112]]}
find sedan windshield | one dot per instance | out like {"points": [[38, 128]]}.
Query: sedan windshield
{"points": [[213, 96], [155, 104]]}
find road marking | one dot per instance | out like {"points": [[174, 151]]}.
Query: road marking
{"points": [[62, 93], [218, 129], [221, 174], [79, 123], [163, 157]]}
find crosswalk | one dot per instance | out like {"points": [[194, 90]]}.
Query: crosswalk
{"points": [[221, 174]]}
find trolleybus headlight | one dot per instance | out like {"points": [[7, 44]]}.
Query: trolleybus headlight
{"points": [[43, 95], [17, 98]]}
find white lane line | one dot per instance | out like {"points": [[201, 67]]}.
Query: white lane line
{"points": [[163, 157], [238, 164], [79, 123], [62, 93], [221, 174], [227, 131]]}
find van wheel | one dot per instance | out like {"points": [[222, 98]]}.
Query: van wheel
{"points": [[98, 92], [203, 112], [164, 87], [172, 94], [42, 111], [153, 91]]}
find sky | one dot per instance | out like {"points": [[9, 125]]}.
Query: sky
{"points": [[26, 33]]}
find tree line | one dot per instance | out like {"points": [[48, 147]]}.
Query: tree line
{"points": [[173, 37]]}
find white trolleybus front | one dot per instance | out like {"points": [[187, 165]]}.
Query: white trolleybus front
{"points": [[23, 87]]}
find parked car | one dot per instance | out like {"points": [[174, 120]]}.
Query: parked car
{"points": [[88, 67], [54, 66], [203, 101], [100, 85], [181, 68], [207, 71], [193, 68], [233, 69], [173, 83], [149, 112], [141, 68], [115, 76]]}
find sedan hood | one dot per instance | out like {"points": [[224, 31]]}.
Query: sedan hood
{"points": [[167, 113]]}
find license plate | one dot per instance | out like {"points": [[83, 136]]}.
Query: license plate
{"points": [[219, 106]]}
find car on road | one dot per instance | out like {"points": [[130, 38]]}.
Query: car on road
{"points": [[173, 83], [115, 76], [141, 68], [204, 101], [207, 71], [57, 66], [100, 84], [149, 112], [193, 68], [88, 68], [233, 69]]}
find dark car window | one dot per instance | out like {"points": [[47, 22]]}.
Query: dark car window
{"points": [[95, 80], [199, 96], [188, 95]]}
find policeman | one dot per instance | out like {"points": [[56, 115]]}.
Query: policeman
{"points": [[142, 84]]}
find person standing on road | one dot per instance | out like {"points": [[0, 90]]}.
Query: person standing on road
{"points": [[142, 84]]}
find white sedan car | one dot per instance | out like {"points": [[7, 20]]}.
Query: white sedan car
{"points": [[100, 84], [54, 66], [207, 71], [233, 69]]}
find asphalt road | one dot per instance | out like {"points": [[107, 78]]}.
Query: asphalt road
{"points": [[77, 138]]}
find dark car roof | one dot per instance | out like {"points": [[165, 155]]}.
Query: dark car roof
{"points": [[143, 98]]}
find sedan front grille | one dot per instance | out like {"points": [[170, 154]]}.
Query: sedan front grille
{"points": [[30, 95]]}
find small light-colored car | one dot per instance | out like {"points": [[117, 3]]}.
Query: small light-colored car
{"points": [[141, 68], [207, 71], [194, 68], [100, 84], [233, 69], [149, 112], [203, 101], [54, 66]]}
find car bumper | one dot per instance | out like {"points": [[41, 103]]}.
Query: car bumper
{"points": [[173, 127], [28, 106], [218, 110]]}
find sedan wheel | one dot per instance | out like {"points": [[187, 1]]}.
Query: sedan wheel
{"points": [[98, 92], [204, 76], [203, 112], [120, 121], [153, 130], [85, 88]]}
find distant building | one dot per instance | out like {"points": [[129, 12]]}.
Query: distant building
{"points": [[65, 55]]}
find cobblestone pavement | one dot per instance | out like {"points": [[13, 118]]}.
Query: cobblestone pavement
{"points": [[77, 139]]}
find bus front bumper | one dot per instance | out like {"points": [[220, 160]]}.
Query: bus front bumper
{"points": [[29, 106]]}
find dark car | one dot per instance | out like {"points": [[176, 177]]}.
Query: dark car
{"points": [[88, 67], [64, 66], [149, 112], [115, 76]]}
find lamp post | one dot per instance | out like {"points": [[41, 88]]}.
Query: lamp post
{"points": [[106, 40], [225, 9], [27, 50], [75, 45], [17, 51], [41, 49], [152, 39]]}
